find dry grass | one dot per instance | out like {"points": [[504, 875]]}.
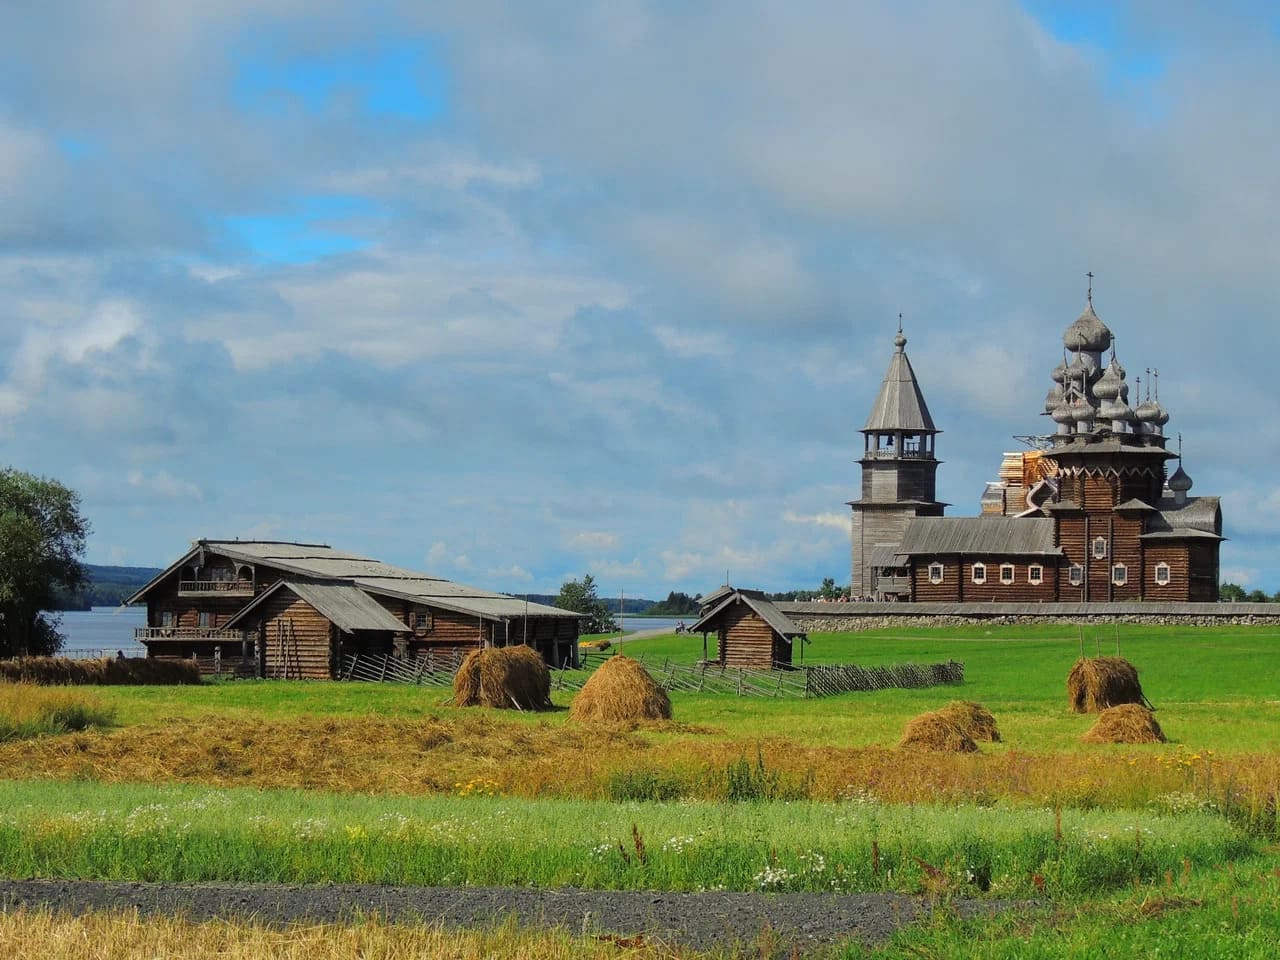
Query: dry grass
{"points": [[620, 690], [42, 935], [1096, 683], [1127, 723], [372, 754], [108, 671], [507, 678], [936, 730], [28, 710], [974, 719]]}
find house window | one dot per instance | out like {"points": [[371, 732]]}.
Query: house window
{"points": [[1077, 574], [1006, 573], [1100, 548], [422, 620], [206, 618], [979, 573], [1162, 574], [1119, 574], [935, 573], [1035, 573], [166, 618]]}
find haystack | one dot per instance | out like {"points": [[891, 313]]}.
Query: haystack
{"points": [[937, 731], [1096, 683], [620, 690], [510, 678], [1127, 723], [974, 719]]}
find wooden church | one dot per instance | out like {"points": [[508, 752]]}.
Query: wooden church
{"points": [[1088, 513]]}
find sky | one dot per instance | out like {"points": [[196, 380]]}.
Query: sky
{"points": [[515, 292]]}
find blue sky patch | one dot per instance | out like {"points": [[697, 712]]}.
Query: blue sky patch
{"points": [[313, 228], [403, 79]]}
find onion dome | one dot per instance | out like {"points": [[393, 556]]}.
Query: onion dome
{"points": [[1108, 385], [1087, 333], [1149, 411], [1082, 411], [1080, 370], [1180, 482], [1062, 413], [899, 341], [1162, 415], [1113, 409], [1053, 398]]}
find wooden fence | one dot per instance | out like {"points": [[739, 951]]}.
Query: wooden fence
{"points": [[803, 682]]}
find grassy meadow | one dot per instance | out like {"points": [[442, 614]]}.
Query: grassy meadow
{"points": [[325, 782]]}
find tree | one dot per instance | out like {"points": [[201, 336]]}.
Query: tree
{"points": [[829, 591], [580, 597], [42, 539], [677, 604], [1231, 591]]}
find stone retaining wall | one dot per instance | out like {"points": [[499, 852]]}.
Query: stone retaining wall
{"points": [[855, 617]]}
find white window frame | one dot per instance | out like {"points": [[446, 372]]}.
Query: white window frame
{"points": [[979, 573], [936, 572], [205, 619], [422, 620], [1007, 573], [1163, 574], [1076, 575], [1099, 548], [1119, 574], [1035, 574]]}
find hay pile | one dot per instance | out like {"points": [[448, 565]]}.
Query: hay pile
{"points": [[1127, 723], [620, 690], [509, 678], [939, 731], [60, 671], [1096, 683], [974, 719]]}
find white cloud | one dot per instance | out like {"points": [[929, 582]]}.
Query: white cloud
{"points": [[593, 540], [164, 484], [836, 521]]}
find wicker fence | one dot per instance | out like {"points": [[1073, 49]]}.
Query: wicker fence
{"points": [[804, 682]]}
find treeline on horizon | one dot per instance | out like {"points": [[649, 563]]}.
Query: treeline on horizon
{"points": [[105, 586]]}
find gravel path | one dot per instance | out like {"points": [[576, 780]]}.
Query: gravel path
{"points": [[698, 920]]}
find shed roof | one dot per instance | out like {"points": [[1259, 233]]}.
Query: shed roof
{"points": [[1008, 536], [345, 606], [778, 621]]}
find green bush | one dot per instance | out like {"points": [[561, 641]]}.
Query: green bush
{"points": [[748, 782]]}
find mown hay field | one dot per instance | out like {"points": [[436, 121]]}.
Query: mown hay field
{"points": [[298, 754]]}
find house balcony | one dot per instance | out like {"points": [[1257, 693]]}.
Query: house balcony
{"points": [[204, 634], [893, 584], [215, 588]]}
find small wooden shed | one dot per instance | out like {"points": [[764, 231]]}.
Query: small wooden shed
{"points": [[750, 631]]}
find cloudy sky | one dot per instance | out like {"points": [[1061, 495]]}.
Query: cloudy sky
{"points": [[512, 292]]}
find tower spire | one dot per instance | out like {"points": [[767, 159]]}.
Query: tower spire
{"points": [[1090, 293]]}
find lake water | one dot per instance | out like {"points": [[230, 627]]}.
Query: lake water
{"points": [[102, 631]]}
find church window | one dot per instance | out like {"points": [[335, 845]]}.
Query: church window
{"points": [[935, 573], [1119, 574], [979, 573], [1162, 574], [1006, 573], [1100, 548], [1035, 573], [1077, 574]]}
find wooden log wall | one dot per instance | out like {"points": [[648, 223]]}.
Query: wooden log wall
{"points": [[958, 586], [297, 639], [745, 640]]}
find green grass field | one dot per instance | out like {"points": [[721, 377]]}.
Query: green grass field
{"points": [[312, 782]]}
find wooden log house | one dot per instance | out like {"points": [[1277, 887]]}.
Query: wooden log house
{"points": [[296, 610], [1087, 514], [750, 631]]}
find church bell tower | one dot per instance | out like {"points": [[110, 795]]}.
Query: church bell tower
{"points": [[898, 479]]}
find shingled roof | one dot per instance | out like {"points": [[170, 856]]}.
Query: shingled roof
{"points": [[900, 404], [993, 536]]}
